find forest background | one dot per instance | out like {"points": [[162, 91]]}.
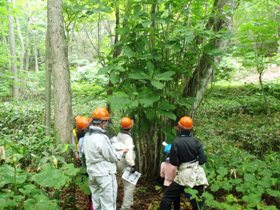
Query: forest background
{"points": [[154, 60]]}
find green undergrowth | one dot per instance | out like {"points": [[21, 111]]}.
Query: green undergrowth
{"points": [[36, 168], [241, 136]]}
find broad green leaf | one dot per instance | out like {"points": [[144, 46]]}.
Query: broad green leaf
{"points": [[51, 177], [222, 171], [164, 76], [7, 175], [252, 199], [82, 182], [165, 105], [40, 202], [150, 114], [105, 69], [274, 193], [226, 186], [70, 170], [29, 189], [167, 114], [119, 100], [139, 75], [128, 52], [147, 97], [249, 178], [215, 187], [157, 84]]}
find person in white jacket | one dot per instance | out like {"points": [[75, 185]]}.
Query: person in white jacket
{"points": [[101, 161], [127, 160]]}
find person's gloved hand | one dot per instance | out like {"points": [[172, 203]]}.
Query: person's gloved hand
{"points": [[132, 169]]}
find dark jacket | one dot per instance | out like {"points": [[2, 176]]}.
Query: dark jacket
{"points": [[186, 148]]}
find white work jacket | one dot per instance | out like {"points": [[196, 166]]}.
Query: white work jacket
{"points": [[100, 156], [127, 159]]}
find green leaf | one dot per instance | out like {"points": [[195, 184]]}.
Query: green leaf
{"points": [[29, 189], [249, 178], [106, 69], [158, 187], [157, 84], [7, 175], [222, 171], [70, 170], [231, 199], [164, 76], [167, 114], [139, 75], [51, 177], [252, 199], [128, 52], [150, 113], [165, 105], [82, 182], [226, 186], [40, 202], [215, 187], [147, 97], [119, 100], [191, 191], [274, 193]]}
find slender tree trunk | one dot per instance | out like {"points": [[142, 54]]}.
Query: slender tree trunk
{"points": [[7, 51], [117, 50], [15, 89], [26, 66], [48, 67], [36, 53], [60, 71], [21, 45], [71, 39], [98, 34]]}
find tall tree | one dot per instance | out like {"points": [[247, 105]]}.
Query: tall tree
{"points": [[60, 71], [15, 89], [167, 51], [48, 87]]}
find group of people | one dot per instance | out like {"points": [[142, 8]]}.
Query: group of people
{"points": [[102, 156], [182, 167]]}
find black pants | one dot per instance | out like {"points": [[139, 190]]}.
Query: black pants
{"points": [[172, 195]]}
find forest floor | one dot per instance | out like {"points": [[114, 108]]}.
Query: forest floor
{"points": [[145, 197], [270, 74]]}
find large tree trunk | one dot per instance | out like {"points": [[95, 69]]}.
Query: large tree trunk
{"points": [[60, 71], [48, 87], [204, 71], [15, 89]]}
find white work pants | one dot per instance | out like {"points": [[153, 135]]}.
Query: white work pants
{"points": [[103, 192], [128, 189]]}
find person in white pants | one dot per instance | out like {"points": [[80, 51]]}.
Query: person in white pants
{"points": [[101, 161], [127, 160]]}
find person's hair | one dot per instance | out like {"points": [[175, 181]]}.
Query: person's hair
{"points": [[185, 132]]}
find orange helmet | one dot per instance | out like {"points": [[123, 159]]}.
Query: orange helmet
{"points": [[100, 114], [82, 122], [186, 123], [126, 123]]}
